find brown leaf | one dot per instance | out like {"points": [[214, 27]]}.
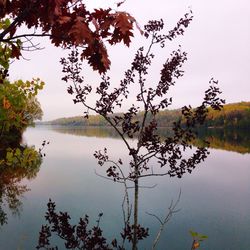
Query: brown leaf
{"points": [[64, 19], [15, 51], [124, 22], [105, 60], [58, 4], [196, 245], [81, 32], [3, 3], [6, 103], [97, 56]]}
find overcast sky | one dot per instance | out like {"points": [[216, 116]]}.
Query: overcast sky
{"points": [[217, 43]]}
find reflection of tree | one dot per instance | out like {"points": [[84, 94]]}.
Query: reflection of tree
{"points": [[15, 165], [99, 132], [230, 140]]}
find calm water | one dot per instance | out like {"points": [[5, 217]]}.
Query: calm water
{"points": [[215, 198]]}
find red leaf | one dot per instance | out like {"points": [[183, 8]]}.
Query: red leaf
{"points": [[58, 5], [124, 22], [64, 19], [15, 51], [81, 32], [97, 56], [3, 3], [123, 28]]}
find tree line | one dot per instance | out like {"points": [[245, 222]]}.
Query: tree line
{"points": [[232, 115]]}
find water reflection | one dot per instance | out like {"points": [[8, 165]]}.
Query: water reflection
{"points": [[16, 164], [229, 140], [215, 197], [99, 132]]}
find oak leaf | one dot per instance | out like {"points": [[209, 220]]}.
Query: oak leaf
{"points": [[124, 22], [97, 56], [81, 32]]}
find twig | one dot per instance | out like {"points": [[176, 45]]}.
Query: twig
{"points": [[171, 210]]}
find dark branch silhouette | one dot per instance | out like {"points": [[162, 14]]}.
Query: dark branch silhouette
{"points": [[149, 154]]}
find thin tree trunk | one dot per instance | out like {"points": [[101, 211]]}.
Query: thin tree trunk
{"points": [[136, 195]]}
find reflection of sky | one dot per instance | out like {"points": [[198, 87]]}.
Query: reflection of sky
{"points": [[217, 43], [214, 200]]}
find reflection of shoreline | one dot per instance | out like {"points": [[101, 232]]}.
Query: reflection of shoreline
{"points": [[229, 140], [95, 131], [16, 164]]}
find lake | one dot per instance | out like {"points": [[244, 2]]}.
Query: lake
{"points": [[215, 198]]}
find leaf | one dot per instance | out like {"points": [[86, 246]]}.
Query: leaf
{"points": [[97, 57], [64, 19], [123, 28], [124, 22], [15, 51], [58, 4], [203, 237], [81, 32], [7, 22], [196, 245], [193, 234], [6, 103], [3, 3]]}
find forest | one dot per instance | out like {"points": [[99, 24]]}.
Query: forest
{"points": [[232, 115]]}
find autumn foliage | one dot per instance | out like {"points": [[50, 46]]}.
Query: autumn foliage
{"points": [[67, 23]]}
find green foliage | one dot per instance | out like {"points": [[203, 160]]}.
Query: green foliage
{"points": [[197, 239], [164, 119], [26, 158], [18, 109], [15, 165], [8, 50], [234, 115], [93, 120], [18, 104]]}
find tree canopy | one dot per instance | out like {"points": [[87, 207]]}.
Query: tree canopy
{"points": [[18, 104], [67, 23]]}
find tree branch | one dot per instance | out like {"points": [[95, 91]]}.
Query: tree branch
{"points": [[171, 210]]}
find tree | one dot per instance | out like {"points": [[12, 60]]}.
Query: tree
{"points": [[66, 23], [17, 164], [150, 155], [18, 106]]}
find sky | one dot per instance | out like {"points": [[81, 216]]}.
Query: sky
{"points": [[217, 43]]}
